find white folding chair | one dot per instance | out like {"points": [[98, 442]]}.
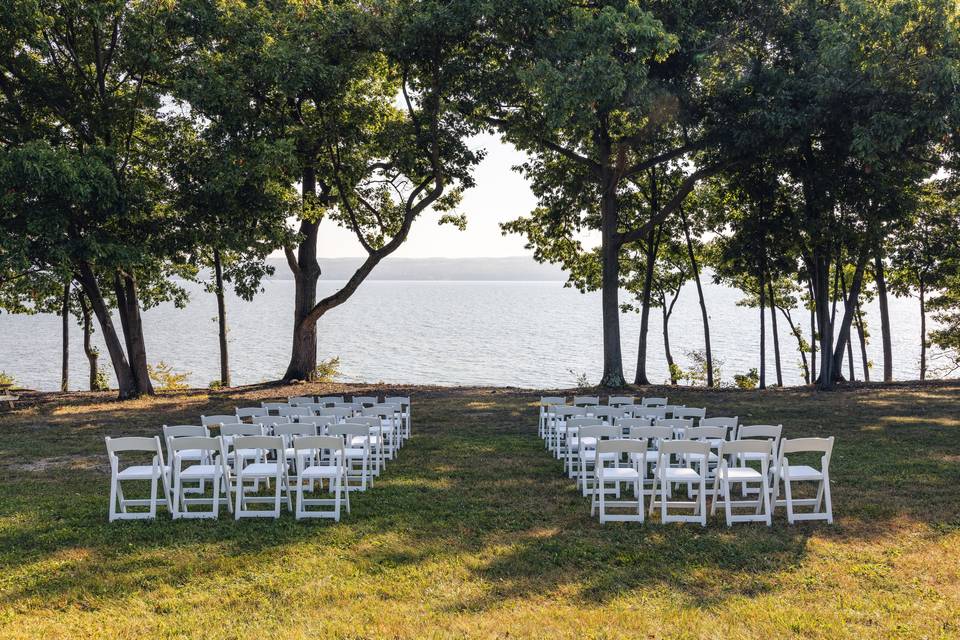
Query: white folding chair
{"points": [[619, 401], [181, 431], [274, 407], [788, 473], [608, 415], [157, 473], [654, 402], [626, 424], [329, 401], [617, 463], [248, 414], [389, 427], [290, 431], [219, 419], [586, 401], [288, 412], [230, 432], [652, 437], [652, 413], [366, 401], [545, 403], [734, 468], [674, 467], [357, 454], [341, 413], [212, 467], [562, 414], [768, 432], [587, 439], [672, 409], [377, 449], [730, 423], [268, 464], [405, 408], [320, 458], [680, 426], [571, 442], [693, 413], [298, 401]]}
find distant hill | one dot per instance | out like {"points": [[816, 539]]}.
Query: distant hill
{"points": [[520, 268]]}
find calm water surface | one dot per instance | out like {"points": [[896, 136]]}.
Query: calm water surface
{"points": [[530, 334]]}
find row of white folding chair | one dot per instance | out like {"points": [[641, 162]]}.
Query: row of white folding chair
{"points": [[228, 465], [686, 462], [363, 401], [556, 416], [546, 402]]}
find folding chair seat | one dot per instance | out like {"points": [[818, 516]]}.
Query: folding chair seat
{"points": [[299, 401], [571, 461], [617, 464], [586, 401], [156, 472], [734, 468], [268, 464], [250, 414], [358, 457], [545, 413], [675, 467], [654, 402], [320, 458], [211, 467], [620, 401], [217, 420], [587, 457], [405, 408], [787, 473]]}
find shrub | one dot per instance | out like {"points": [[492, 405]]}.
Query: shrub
{"points": [[748, 381], [580, 379], [327, 370], [101, 382], [6, 379], [166, 378]]}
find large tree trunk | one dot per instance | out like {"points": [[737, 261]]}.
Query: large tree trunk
{"points": [[813, 332], [65, 319], [884, 318], [763, 333], [88, 348], [651, 254], [610, 287], [850, 366], [125, 380], [306, 273], [821, 291], [844, 335], [221, 319], [923, 332], [776, 336], [703, 305], [128, 307]]}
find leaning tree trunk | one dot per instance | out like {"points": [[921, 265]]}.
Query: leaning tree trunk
{"points": [[763, 334], [666, 341], [813, 332], [776, 336], [703, 305], [923, 332], [850, 365], [88, 348], [306, 273], [651, 254], [844, 335], [862, 334], [221, 319], [121, 368], [884, 318], [795, 330], [610, 285], [128, 306], [65, 319]]}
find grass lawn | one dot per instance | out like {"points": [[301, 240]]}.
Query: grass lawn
{"points": [[475, 532]]}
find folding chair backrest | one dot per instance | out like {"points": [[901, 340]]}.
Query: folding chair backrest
{"points": [[260, 443], [706, 433], [670, 448], [575, 424], [294, 411], [329, 401], [369, 421], [334, 444], [356, 406], [269, 421], [619, 401], [403, 401], [632, 423], [607, 414], [366, 401], [728, 422], [319, 421], [654, 435], [273, 407], [250, 412], [546, 401], [680, 426], [764, 431], [739, 447], [654, 402], [690, 412], [183, 430], [199, 443], [210, 421], [654, 413], [564, 411], [620, 447], [339, 412], [349, 429], [598, 432], [807, 445], [287, 431], [299, 401], [671, 408], [133, 443], [581, 401], [237, 430]]}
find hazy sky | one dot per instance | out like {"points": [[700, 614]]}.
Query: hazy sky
{"points": [[500, 194]]}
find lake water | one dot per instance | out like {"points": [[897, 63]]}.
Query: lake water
{"points": [[529, 334]]}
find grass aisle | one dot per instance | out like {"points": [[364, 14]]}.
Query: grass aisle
{"points": [[475, 532]]}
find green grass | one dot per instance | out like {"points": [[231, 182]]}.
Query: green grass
{"points": [[475, 532]]}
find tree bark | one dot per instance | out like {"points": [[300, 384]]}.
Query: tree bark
{"points": [[610, 285], [306, 273], [923, 332], [821, 290], [763, 333], [125, 380], [703, 305], [776, 336], [128, 307], [813, 331], [850, 366], [795, 330], [651, 254], [221, 319], [844, 336], [862, 334], [65, 319], [666, 343], [884, 318], [88, 348]]}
